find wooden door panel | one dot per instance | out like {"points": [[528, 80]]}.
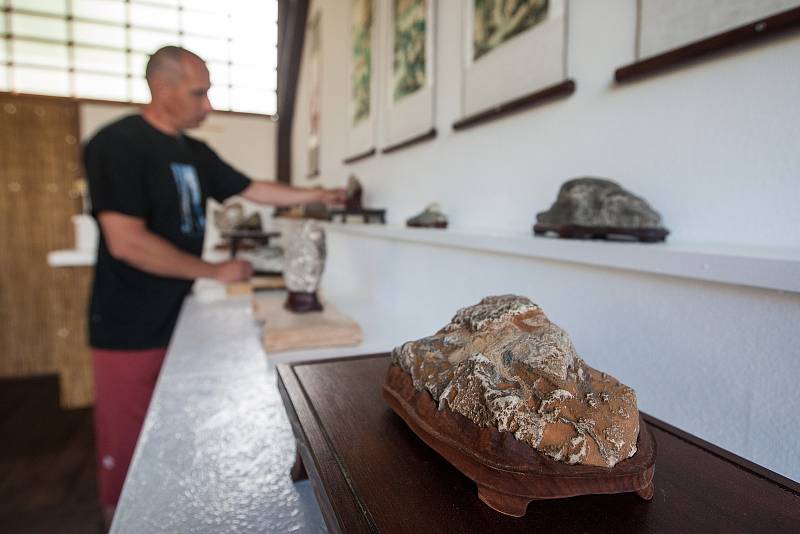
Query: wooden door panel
{"points": [[42, 309]]}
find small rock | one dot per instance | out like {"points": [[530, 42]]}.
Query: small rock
{"points": [[431, 217]]}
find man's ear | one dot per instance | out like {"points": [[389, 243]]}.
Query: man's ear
{"points": [[159, 86]]}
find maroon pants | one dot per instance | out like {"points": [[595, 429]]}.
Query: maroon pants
{"points": [[124, 382]]}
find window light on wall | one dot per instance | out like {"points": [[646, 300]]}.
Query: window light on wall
{"points": [[98, 49]]}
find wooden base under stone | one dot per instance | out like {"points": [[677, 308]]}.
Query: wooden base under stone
{"points": [[427, 225], [302, 302], [508, 472], [576, 231], [367, 215]]}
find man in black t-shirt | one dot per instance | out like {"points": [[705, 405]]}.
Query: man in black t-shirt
{"points": [[149, 183]]}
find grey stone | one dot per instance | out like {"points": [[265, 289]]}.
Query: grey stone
{"points": [[304, 254], [597, 203]]}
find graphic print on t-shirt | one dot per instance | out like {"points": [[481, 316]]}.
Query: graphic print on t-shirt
{"points": [[193, 221]]}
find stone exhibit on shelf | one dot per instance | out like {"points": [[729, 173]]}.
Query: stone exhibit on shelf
{"points": [[431, 217], [354, 210], [596, 208], [228, 216], [304, 262], [355, 193], [507, 386], [245, 238], [312, 210]]}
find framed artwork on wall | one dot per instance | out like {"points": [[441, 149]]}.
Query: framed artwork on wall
{"points": [[514, 56], [408, 90], [361, 108], [670, 32], [315, 96]]}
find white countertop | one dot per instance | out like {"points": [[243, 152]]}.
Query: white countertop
{"points": [[216, 448]]}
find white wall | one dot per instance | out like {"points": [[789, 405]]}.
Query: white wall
{"points": [[713, 146], [247, 142]]}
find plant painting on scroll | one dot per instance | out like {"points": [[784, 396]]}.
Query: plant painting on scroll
{"points": [[497, 21], [315, 73], [362, 59], [409, 46]]}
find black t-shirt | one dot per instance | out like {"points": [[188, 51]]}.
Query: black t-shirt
{"points": [[137, 170]]}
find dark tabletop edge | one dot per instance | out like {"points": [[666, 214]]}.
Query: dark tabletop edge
{"points": [[288, 380], [329, 444], [739, 462], [335, 360]]}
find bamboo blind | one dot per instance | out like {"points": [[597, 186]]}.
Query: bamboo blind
{"points": [[42, 309]]}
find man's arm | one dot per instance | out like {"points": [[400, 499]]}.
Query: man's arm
{"points": [[285, 195], [129, 240]]}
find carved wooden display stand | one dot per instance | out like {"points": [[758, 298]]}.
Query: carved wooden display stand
{"points": [[255, 237], [508, 472], [367, 215], [302, 302], [437, 224], [576, 231]]}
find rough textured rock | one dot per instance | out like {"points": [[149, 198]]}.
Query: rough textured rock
{"points": [[502, 363], [304, 261], [231, 217], [597, 202], [431, 217]]}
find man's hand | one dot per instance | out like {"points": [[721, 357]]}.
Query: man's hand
{"points": [[334, 197], [233, 271]]}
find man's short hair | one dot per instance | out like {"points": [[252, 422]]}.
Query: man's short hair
{"points": [[166, 61]]}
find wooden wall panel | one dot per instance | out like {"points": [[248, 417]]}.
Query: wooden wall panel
{"points": [[42, 309], [71, 340]]}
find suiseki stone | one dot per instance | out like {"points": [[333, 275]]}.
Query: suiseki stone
{"points": [[502, 363], [304, 262], [599, 208]]}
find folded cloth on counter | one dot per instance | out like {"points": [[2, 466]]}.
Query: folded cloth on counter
{"points": [[284, 330]]}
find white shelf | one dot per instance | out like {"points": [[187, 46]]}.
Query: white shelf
{"points": [[770, 268], [71, 258]]}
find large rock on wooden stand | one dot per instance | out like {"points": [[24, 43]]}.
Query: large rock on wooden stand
{"points": [[599, 208], [502, 363]]}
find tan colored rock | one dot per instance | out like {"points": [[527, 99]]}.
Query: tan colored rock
{"points": [[502, 363]]}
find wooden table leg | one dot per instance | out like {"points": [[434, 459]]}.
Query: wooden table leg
{"points": [[298, 471], [513, 505], [646, 493]]}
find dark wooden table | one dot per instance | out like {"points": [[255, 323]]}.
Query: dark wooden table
{"points": [[371, 473]]}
